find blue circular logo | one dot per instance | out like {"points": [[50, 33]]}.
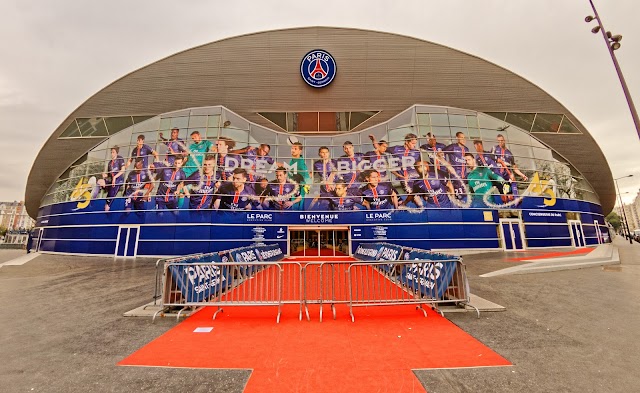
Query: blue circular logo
{"points": [[318, 68]]}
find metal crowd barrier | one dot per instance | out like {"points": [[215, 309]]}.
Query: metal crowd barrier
{"points": [[325, 282], [356, 284], [408, 282], [159, 275], [221, 285]]}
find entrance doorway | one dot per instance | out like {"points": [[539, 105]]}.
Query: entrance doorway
{"points": [[127, 241], [599, 234], [512, 234], [577, 235], [36, 242], [329, 242]]}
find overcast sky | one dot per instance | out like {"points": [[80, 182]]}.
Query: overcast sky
{"points": [[56, 54]]}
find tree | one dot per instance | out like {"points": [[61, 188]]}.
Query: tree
{"points": [[3, 231], [614, 219]]}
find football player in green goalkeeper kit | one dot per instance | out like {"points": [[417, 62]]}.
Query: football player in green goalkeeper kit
{"points": [[481, 179]]}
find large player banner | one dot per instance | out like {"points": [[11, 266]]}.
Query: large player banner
{"points": [[198, 282], [430, 278]]}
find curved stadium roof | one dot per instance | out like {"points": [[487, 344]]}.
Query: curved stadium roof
{"points": [[377, 71]]}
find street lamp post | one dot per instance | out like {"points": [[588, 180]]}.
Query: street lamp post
{"points": [[624, 214], [613, 43]]}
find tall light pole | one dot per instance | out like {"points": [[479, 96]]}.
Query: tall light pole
{"points": [[624, 214], [613, 43]]}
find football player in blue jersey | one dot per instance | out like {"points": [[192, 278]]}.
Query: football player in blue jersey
{"points": [[142, 150], [378, 157], [435, 151], [202, 194], [507, 166], [175, 145], [283, 194], [406, 156], [260, 161], [324, 172], [350, 165], [377, 195], [225, 160], [455, 154], [235, 195], [171, 182], [485, 158], [342, 199], [113, 178], [138, 186], [433, 190]]}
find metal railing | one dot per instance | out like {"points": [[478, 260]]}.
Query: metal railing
{"points": [[354, 284], [408, 282], [325, 283]]}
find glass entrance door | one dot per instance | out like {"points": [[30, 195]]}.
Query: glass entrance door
{"points": [[319, 242]]}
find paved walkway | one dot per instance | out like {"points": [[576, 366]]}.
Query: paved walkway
{"points": [[571, 331]]}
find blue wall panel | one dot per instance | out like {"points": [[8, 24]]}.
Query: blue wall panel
{"points": [[446, 228], [156, 248], [157, 232]]}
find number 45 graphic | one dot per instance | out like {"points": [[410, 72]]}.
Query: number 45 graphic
{"points": [[84, 192], [543, 188]]}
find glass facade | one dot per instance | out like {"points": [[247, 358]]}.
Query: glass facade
{"points": [[206, 179], [421, 143]]}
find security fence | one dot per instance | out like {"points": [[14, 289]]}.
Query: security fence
{"points": [[236, 278]]}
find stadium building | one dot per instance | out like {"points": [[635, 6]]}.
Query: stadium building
{"points": [[318, 138]]}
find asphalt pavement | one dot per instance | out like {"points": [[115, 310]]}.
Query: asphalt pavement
{"points": [[62, 329]]}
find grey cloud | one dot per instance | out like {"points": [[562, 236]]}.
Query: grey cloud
{"points": [[60, 53]]}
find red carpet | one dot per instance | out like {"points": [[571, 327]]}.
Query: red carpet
{"points": [[554, 254], [376, 353], [313, 252]]}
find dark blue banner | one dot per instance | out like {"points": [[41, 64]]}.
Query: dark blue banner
{"points": [[269, 252], [379, 252], [198, 283], [431, 278], [367, 252], [253, 255], [67, 214]]}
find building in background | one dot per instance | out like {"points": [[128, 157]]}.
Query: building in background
{"points": [[266, 138], [14, 217], [635, 209], [16, 221]]}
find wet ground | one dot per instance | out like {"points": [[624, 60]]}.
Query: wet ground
{"points": [[62, 329]]}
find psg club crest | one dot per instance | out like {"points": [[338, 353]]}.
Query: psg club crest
{"points": [[318, 68]]}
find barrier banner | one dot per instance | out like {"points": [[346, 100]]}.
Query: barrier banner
{"points": [[367, 251], [199, 282], [389, 252], [429, 276], [255, 254], [247, 255], [379, 252], [269, 252]]}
